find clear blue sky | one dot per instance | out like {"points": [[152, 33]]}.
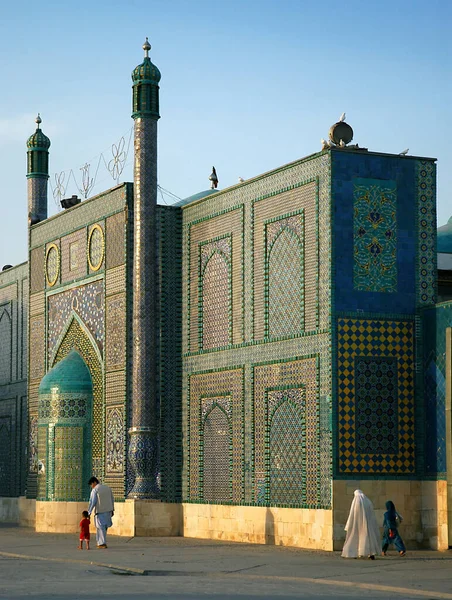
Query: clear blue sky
{"points": [[246, 86]]}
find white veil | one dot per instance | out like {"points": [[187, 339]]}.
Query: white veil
{"points": [[363, 535]]}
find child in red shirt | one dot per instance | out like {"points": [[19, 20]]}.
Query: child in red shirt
{"points": [[84, 530]]}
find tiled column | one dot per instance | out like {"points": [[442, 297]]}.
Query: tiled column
{"points": [[143, 447]]}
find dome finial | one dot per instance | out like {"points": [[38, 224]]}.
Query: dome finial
{"points": [[38, 120], [146, 48]]}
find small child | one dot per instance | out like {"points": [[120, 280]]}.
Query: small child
{"points": [[84, 530], [391, 521]]}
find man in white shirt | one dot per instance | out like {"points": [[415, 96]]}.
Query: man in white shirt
{"points": [[102, 503]]}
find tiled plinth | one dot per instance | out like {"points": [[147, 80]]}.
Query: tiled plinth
{"points": [[303, 528]]}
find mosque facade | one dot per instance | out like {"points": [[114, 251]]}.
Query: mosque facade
{"points": [[235, 365]]}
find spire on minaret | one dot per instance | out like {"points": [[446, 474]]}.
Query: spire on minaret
{"points": [[146, 79], [146, 48]]}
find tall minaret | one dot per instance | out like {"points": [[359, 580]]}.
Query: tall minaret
{"points": [[38, 146], [143, 447]]}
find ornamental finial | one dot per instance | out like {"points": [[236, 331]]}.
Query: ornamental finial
{"points": [[146, 48], [38, 120]]}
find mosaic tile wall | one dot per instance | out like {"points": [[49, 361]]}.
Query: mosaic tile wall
{"points": [[170, 276], [81, 303], [384, 231], [360, 175], [268, 385], [376, 430], [86, 301], [64, 446], [435, 320], [375, 235], [13, 380]]}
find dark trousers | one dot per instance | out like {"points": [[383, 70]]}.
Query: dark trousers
{"points": [[397, 541]]}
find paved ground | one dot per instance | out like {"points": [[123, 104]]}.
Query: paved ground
{"points": [[49, 566]]}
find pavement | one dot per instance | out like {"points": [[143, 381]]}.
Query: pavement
{"points": [[44, 565]]}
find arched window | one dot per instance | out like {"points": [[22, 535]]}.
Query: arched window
{"points": [[285, 293], [216, 457], [216, 302]]}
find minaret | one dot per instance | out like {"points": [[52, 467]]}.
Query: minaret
{"points": [[143, 447], [38, 146]]}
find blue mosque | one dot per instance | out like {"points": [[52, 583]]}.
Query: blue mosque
{"points": [[236, 364]]}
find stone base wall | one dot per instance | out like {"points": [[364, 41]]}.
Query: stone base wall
{"points": [[131, 518], [422, 504], [20, 511], [300, 527]]}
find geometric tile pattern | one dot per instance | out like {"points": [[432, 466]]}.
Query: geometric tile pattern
{"points": [[216, 457], [224, 283], [6, 337], [116, 239], [116, 315], [435, 322], [216, 301], [285, 276], [6, 488], [376, 416], [171, 462], [426, 236], [69, 482], [374, 355], [37, 274], [297, 251], [264, 217], [87, 301], [73, 256], [287, 448], [206, 391], [291, 387], [375, 235]]}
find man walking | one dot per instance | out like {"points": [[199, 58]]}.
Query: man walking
{"points": [[102, 503]]}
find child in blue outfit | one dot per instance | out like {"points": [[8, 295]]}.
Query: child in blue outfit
{"points": [[391, 521]]}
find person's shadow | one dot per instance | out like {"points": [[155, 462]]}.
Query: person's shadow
{"points": [[269, 528]]}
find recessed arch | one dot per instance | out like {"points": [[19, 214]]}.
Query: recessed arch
{"points": [[76, 336], [285, 285], [216, 301]]}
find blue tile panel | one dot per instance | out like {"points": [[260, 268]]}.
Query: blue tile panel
{"points": [[435, 320], [397, 179]]}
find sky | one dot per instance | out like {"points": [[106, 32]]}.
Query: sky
{"points": [[246, 86]]}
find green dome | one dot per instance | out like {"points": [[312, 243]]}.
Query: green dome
{"points": [[38, 140], [146, 72], [70, 375], [444, 238]]}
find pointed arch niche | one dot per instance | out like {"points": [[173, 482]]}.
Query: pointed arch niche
{"points": [[216, 453], [284, 281], [216, 301], [76, 336], [6, 345]]}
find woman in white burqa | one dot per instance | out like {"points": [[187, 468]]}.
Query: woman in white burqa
{"points": [[363, 536]]}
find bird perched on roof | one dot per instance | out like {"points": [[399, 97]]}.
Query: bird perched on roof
{"points": [[325, 144], [405, 152], [213, 179], [241, 180], [342, 118], [342, 144]]}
